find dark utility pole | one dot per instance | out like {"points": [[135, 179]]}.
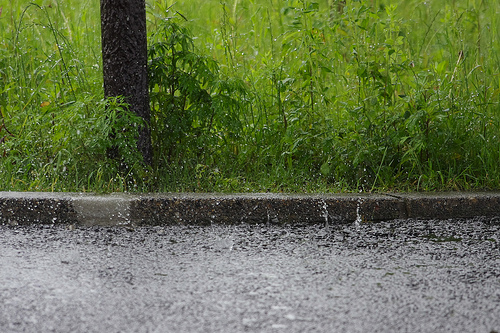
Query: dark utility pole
{"points": [[124, 55]]}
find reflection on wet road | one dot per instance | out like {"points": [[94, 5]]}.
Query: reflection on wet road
{"points": [[426, 276]]}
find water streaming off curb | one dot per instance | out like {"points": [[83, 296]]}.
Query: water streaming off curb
{"points": [[357, 222], [325, 212]]}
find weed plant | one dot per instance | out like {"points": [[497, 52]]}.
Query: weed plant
{"points": [[261, 95], [55, 131]]}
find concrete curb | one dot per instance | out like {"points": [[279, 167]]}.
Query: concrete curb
{"points": [[18, 208]]}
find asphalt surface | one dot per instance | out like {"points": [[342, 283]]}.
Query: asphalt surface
{"points": [[397, 276]]}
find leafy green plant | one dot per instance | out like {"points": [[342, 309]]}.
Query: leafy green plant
{"points": [[195, 108]]}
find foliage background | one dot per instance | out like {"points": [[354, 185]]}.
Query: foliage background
{"points": [[263, 95]]}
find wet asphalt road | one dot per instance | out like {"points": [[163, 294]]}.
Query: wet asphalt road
{"points": [[398, 276]]}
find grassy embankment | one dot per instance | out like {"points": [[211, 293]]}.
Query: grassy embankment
{"points": [[268, 95]]}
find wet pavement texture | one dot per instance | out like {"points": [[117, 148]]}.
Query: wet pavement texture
{"points": [[397, 276]]}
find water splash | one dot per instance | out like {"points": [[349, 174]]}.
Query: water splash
{"points": [[325, 212], [223, 240], [272, 216], [226, 243], [357, 222]]}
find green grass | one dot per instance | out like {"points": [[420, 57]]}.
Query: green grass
{"points": [[271, 95]]}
